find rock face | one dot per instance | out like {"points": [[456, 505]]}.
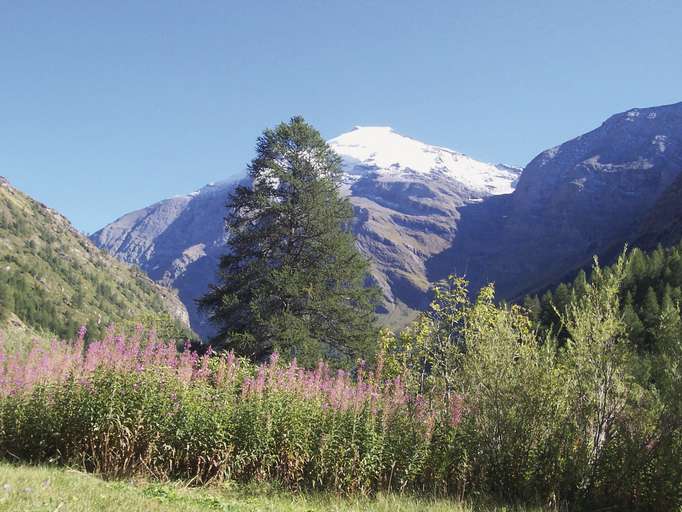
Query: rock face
{"points": [[406, 197], [177, 242], [585, 197]]}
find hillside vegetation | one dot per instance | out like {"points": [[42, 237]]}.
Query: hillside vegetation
{"points": [[651, 288], [54, 279]]}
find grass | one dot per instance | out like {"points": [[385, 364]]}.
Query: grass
{"points": [[16, 336], [38, 489]]}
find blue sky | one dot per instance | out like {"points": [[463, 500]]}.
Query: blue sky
{"points": [[106, 107]]}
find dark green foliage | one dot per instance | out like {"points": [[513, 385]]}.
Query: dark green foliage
{"points": [[293, 279], [652, 282], [650, 310]]}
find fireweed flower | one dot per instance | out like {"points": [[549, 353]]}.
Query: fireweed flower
{"points": [[455, 408], [334, 392]]}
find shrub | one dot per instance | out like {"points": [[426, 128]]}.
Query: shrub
{"points": [[584, 419]]}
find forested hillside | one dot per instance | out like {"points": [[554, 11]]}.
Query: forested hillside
{"points": [[54, 279], [651, 288]]}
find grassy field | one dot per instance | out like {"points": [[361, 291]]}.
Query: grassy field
{"points": [[38, 489]]}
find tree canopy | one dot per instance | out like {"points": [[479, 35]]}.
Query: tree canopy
{"points": [[292, 280], [652, 284]]}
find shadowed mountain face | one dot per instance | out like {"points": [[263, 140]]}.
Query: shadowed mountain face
{"points": [[177, 242], [406, 196], [663, 224], [587, 196]]}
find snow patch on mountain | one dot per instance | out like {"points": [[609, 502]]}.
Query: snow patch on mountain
{"points": [[380, 150]]}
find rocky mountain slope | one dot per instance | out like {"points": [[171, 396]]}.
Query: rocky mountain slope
{"points": [[53, 278], [177, 242], [587, 196], [406, 196]]}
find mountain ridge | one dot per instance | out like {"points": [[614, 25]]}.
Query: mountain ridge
{"points": [[586, 196], [382, 150]]}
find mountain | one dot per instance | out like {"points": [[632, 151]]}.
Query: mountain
{"points": [[53, 278], [423, 212], [406, 197], [383, 152], [618, 183], [663, 224], [177, 242]]}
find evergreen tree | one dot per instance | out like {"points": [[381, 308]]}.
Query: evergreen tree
{"points": [[656, 262], [637, 267], [548, 317], [650, 308], [562, 297], [580, 284], [667, 302], [635, 327], [675, 265], [676, 295], [532, 305], [293, 279]]}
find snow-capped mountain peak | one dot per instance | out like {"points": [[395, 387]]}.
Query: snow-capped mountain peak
{"points": [[381, 150]]}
